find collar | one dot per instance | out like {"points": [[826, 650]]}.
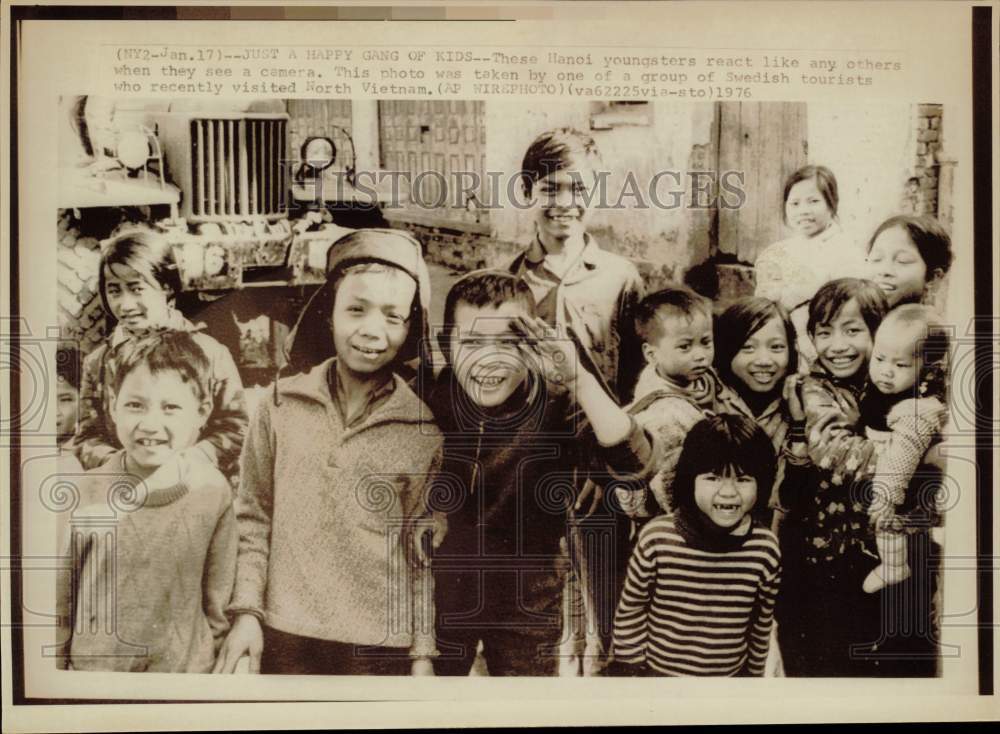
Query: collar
{"points": [[374, 396], [402, 406], [704, 388], [150, 492], [699, 532], [535, 254]]}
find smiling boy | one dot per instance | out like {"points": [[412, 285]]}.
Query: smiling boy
{"points": [[589, 294], [171, 570], [512, 403]]}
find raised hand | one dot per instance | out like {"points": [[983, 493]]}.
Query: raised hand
{"points": [[554, 351]]}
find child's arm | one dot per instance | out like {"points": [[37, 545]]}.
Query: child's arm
{"points": [[222, 438], [631, 625], [611, 425], [913, 425], [833, 444], [220, 569], [91, 442], [761, 622], [254, 507]]}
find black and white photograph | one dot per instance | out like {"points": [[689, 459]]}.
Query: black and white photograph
{"points": [[618, 381], [415, 387]]}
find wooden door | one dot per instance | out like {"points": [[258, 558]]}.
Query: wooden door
{"points": [[767, 142], [446, 139]]}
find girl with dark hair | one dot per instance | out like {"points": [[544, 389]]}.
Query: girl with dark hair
{"points": [[908, 257], [702, 581], [139, 282], [792, 270], [754, 355]]}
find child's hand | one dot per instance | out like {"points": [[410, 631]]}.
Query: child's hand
{"points": [[793, 398], [556, 352], [594, 492], [422, 667], [246, 638], [437, 531]]}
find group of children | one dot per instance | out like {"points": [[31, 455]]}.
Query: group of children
{"points": [[675, 477]]}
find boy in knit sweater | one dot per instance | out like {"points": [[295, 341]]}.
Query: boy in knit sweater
{"points": [[522, 421], [151, 595], [334, 472]]}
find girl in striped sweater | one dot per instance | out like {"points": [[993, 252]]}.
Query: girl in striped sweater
{"points": [[701, 584]]}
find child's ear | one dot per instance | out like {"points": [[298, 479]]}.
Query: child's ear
{"points": [[649, 353], [934, 277]]}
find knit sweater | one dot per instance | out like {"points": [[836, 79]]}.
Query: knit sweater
{"points": [[914, 425], [326, 514], [151, 576], [696, 603], [222, 436]]}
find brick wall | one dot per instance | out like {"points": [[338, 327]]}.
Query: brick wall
{"points": [[921, 195]]}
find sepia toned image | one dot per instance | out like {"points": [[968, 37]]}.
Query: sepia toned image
{"points": [[616, 294], [541, 365]]}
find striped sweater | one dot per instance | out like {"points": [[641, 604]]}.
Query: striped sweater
{"points": [[698, 606]]}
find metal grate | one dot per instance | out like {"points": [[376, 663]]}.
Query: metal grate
{"points": [[237, 168]]}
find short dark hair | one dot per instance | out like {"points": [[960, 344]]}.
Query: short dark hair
{"points": [[167, 351], [830, 298], [720, 444], [826, 182], [741, 320], [927, 235], [555, 150], [68, 365], [676, 300], [483, 288], [148, 253]]}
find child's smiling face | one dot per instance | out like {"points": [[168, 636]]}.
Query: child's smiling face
{"points": [[845, 343], [895, 266], [560, 202], [484, 351], [685, 348], [371, 318], [156, 415], [895, 362], [725, 498], [762, 361], [806, 210], [137, 303]]}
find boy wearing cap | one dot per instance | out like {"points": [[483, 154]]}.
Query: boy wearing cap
{"points": [[332, 481]]}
